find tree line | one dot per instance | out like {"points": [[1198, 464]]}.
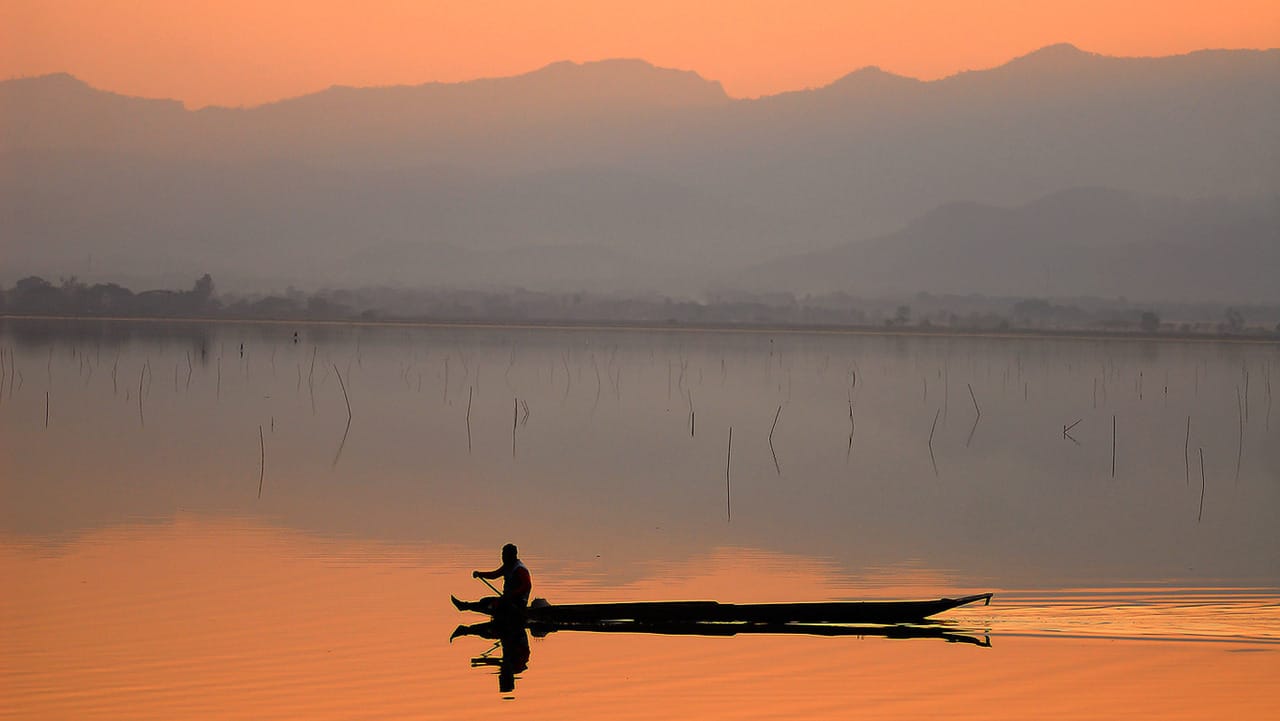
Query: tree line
{"points": [[71, 297]]}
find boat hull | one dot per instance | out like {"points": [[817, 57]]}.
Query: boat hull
{"points": [[835, 612]]}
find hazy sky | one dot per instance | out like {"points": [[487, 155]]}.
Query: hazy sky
{"points": [[237, 52]]}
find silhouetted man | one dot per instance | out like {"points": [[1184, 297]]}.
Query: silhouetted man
{"points": [[516, 585]]}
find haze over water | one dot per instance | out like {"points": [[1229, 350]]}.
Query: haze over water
{"points": [[156, 582]]}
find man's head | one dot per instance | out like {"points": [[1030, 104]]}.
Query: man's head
{"points": [[509, 553]]}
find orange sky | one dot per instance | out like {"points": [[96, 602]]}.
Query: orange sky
{"points": [[236, 52]]}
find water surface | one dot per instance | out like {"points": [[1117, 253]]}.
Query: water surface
{"points": [[199, 531]]}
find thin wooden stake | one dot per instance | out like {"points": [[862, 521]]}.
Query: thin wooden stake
{"points": [[1200, 513], [1113, 446], [470, 389], [1240, 444], [975, 400], [141, 375], [728, 496], [689, 394], [344, 393], [262, 459], [776, 467], [1246, 393], [932, 460], [1186, 448]]}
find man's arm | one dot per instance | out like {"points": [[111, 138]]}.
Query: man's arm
{"points": [[497, 573]]}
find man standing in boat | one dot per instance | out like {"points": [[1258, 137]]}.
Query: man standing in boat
{"points": [[516, 586]]}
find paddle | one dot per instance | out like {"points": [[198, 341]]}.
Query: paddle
{"points": [[490, 585]]}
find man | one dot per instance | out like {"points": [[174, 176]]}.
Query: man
{"points": [[516, 585]]}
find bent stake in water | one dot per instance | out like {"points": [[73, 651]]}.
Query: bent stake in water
{"points": [[1200, 513], [1240, 445], [262, 459], [345, 431], [141, 375], [344, 393], [728, 461], [771, 451], [931, 429], [1186, 447]]}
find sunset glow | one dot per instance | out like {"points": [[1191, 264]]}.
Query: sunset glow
{"points": [[104, 626], [245, 53]]}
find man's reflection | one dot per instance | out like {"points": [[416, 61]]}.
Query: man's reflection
{"points": [[513, 639]]}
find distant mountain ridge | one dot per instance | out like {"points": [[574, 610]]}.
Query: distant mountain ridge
{"points": [[654, 172], [1084, 241]]}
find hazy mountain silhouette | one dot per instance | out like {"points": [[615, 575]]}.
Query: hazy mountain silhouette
{"points": [[1085, 241], [654, 175]]}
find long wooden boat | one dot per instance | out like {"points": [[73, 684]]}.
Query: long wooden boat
{"points": [[496, 630], [831, 612]]}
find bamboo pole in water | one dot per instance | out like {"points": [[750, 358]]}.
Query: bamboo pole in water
{"points": [[932, 460], [1240, 435], [1113, 446], [1186, 447], [262, 458], [771, 451], [728, 496], [141, 375], [1268, 420], [693, 416], [689, 395], [345, 397], [1200, 513], [1246, 392]]}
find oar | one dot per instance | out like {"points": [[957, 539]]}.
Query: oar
{"points": [[490, 585]]}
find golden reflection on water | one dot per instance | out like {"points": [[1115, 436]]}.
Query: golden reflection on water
{"points": [[230, 618]]}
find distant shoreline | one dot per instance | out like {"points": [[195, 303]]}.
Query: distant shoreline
{"points": [[682, 327]]}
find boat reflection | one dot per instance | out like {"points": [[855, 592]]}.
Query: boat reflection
{"points": [[513, 638], [514, 642]]}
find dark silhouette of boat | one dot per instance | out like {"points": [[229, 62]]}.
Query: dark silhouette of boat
{"points": [[886, 619], [708, 612]]}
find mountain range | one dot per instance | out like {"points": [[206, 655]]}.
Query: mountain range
{"points": [[1059, 172]]}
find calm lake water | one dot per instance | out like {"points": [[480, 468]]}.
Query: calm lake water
{"points": [[190, 527]]}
